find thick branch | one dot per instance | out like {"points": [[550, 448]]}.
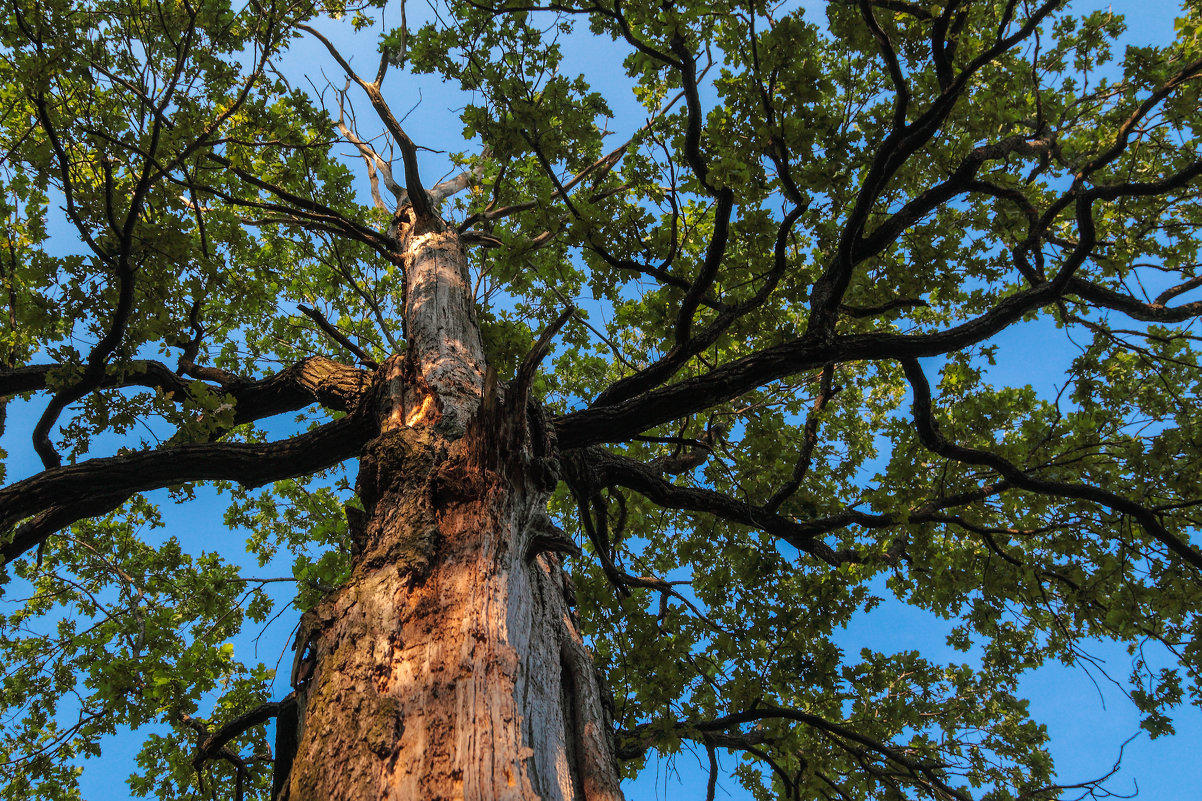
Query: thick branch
{"points": [[211, 745], [618, 422], [714, 252], [34, 531], [1155, 312], [312, 380], [155, 375], [687, 67], [63, 494], [604, 468], [530, 363]]}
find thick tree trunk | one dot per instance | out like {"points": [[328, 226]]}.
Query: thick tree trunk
{"points": [[449, 666]]}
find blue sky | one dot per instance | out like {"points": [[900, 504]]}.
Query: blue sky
{"points": [[1088, 718]]}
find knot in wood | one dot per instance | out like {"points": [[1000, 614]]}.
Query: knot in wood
{"points": [[334, 384]]}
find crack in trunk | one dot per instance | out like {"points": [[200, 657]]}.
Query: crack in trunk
{"points": [[449, 665], [572, 726]]}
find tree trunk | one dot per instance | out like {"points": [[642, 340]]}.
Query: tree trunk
{"points": [[449, 665]]}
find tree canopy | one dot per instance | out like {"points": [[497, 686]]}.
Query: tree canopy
{"points": [[769, 312]]}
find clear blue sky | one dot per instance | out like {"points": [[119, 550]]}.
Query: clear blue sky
{"points": [[1088, 722]]}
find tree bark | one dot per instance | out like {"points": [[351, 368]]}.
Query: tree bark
{"points": [[449, 666]]}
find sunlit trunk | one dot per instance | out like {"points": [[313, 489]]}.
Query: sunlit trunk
{"points": [[449, 667]]}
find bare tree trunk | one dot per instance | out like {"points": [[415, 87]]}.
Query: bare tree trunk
{"points": [[449, 666]]}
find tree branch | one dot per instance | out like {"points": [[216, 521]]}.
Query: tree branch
{"points": [[682, 351], [211, 745], [916, 769], [826, 391], [617, 422], [1155, 312], [526, 370], [895, 149], [601, 468], [933, 440], [333, 333], [312, 380], [423, 209], [62, 495]]}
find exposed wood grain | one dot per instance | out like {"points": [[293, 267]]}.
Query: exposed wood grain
{"points": [[449, 666]]}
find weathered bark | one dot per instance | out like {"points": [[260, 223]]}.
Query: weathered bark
{"points": [[449, 666]]}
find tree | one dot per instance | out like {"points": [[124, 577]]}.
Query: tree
{"points": [[694, 399]]}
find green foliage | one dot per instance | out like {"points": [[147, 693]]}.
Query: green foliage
{"points": [[119, 632], [171, 150]]}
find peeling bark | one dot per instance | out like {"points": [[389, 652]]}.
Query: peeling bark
{"points": [[449, 666], [440, 325]]}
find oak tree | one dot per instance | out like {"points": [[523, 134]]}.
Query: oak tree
{"points": [[594, 445]]}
